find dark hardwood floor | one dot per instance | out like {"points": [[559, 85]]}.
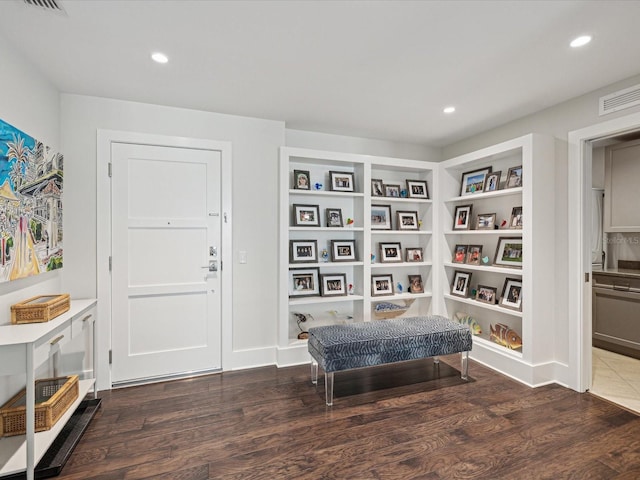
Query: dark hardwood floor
{"points": [[406, 421]]}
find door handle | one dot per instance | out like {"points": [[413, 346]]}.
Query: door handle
{"points": [[212, 267]]}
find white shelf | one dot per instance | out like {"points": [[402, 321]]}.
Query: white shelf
{"points": [[481, 196], [476, 303], [337, 298], [324, 193], [513, 232], [326, 264], [13, 450], [400, 296], [401, 232], [376, 200], [488, 344], [401, 264], [326, 229], [506, 270]]}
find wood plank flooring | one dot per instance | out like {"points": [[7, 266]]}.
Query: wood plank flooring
{"points": [[407, 421]]}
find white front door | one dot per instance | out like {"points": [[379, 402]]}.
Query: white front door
{"points": [[166, 223]]}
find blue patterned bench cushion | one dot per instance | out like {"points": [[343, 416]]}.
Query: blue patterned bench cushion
{"points": [[365, 344]]}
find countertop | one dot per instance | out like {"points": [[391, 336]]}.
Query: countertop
{"points": [[619, 272]]}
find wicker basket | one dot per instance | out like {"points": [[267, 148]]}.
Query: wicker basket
{"points": [[40, 309], [54, 396]]}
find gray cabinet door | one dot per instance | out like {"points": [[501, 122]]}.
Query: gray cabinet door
{"points": [[622, 188]]}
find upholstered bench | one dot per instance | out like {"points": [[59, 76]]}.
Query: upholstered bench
{"points": [[366, 344]]}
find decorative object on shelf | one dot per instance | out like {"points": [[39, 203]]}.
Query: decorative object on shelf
{"points": [[380, 217], [487, 294], [350, 289], [414, 254], [388, 310], [377, 188], [304, 282], [460, 285], [506, 336], [341, 181], [417, 189], [492, 183], [466, 319], [415, 284], [512, 293], [392, 191], [486, 221], [407, 220], [473, 254], [303, 251], [459, 254], [40, 308], [462, 217], [306, 215], [324, 255], [403, 193], [474, 181], [390, 252], [509, 252], [514, 177], [334, 217], [301, 180], [349, 222], [343, 250], [381, 285], [485, 260], [373, 258], [302, 318], [516, 218], [334, 284], [399, 288], [503, 224], [317, 186]]}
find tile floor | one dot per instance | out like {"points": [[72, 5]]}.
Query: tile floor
{"points": [[616, 378]]}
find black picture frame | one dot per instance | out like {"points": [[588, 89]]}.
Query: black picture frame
{"points": [[487, 294], [333, 285], [341, 181], [492, 182], [460, 285], [304, 282], [473, 182], [301, 180], [459, 254], [509, 252], [514, 177], [333, 217], [343, 251], [462, 217], [415, 284], [390, 252], [417, 189], [380, 217], [303, 251], [511, 296], [377, 187], [381, 285], [407, 220], [306, 215], [414, 254]]}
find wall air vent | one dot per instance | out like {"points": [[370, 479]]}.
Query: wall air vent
{"points": [[48, 5], [629, 97]]}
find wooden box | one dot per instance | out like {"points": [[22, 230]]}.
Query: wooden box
{"points": [[41, 308], [54, 396]]}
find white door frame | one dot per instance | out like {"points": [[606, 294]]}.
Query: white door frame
{"points": [[579, 226], [103, 245]]}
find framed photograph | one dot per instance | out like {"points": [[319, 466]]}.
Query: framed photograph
{"points": [[462, 217], [487, 294], [381, 285], [417, 189], [512, 293], [415, 284], [343, 250], [474, 181], [390, 252], [303, 251], [474, 254], [516, 218], [304, 282], [406, 220], [306, 215], [341, 181], [414, 254], [377, 188], [509, 252], [334, 284], [514, 177], [334, 217], [380, 217], [460, 286], [459, 254], [392, 191], [301, 180], [492, 183], [486, 221]]}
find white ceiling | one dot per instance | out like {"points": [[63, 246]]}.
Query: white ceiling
{"points": [[377, 69]]}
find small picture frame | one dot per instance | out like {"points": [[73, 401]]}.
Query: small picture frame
{"points": [[390, 252], [407, 220], [333, 285], [460, 285], [380, 217], [514, 177], [417, 189], [474, 254], [343, 250], [462, 217], [301, 180], [381, 285], [303, 251], [486, 221], [304, 282], [509, 252], [512, 294], [487, 294], [377, 187], [341, 181], [415, 284], [414, 254], [516, 218], [392, 191], [460, 254], [334, 217], [474, 181], [492, 183], [306, 215]]}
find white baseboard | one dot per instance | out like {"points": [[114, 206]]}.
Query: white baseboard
{"points": [[252, 358]]}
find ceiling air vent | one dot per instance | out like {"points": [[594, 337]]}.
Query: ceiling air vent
{"points": [[48, 5], [629, 97]]}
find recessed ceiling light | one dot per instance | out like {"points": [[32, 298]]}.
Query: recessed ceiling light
{"points": [[580, 41], [159, 57], [449, 109]]}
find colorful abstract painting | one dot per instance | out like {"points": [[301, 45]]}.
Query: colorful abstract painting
{"points": [[30, 205]]}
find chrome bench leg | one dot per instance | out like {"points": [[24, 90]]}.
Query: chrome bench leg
{"points": [[464, 367], [328, 387], [436, 359], [314, 372]]}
